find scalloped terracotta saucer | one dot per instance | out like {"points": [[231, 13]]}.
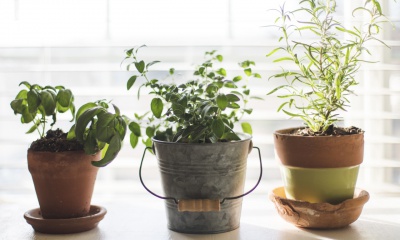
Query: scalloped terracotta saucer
{"points": [[319, 215], [64, 226]]}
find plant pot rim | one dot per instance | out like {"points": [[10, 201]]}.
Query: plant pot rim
{"points": [[243, 137], [318, 151], [286, 131], [62, 152]]}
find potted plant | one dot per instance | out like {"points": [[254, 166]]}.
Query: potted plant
{"points": [[202, 160], [64, 165], [320, 162]]}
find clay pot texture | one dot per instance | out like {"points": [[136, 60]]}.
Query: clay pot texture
{"points": [[319, 215], [319, 168], [318, 151], [64, 182]]}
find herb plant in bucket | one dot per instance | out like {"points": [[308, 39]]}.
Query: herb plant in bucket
{"points": [[190, 128]]}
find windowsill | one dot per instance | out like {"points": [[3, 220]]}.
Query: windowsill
{"points": [[141, 216]]}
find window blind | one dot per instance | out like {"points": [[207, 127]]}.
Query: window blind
{"points": [[81, 44]]}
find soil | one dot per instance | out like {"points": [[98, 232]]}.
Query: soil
{"points": [[55, 141], [332, 131]]}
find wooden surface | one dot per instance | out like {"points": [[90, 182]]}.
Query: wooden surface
{"points": [[143, 217]]}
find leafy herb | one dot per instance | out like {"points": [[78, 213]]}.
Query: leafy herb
{"points": [[37, 104], [202, 110], [326, 66], [106, 130]]}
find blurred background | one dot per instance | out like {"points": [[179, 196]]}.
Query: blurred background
{"points": [[80, 44]]}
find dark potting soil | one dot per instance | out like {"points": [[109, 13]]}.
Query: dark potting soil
{"points": [[56, 141], [332, 131]]}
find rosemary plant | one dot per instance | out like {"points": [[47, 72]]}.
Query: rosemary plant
{"points": [[326, 66]]}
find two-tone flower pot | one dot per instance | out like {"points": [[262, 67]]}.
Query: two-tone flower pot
{"points": [[319, 169], [203, 183], [63, 181]]}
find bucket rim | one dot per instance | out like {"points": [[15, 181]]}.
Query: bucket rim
{"points": [[243, 138]]}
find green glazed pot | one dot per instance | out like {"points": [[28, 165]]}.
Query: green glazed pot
{"points": [[319, 185], [319, 169]]}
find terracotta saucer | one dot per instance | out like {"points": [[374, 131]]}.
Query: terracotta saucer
{"points": [[64, 226], [319, 215]]}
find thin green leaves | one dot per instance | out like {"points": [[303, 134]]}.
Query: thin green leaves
{"points": [[131, 81], [326, 67]]}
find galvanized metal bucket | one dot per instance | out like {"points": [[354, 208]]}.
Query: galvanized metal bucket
{"points": [[203, 183]]}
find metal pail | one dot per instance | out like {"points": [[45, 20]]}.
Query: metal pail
{"points": [[196, 174]]}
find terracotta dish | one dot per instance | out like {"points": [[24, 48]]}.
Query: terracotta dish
{"points": [[67, 225], [319, 215]]}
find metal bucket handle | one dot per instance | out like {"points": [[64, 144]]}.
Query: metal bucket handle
{"points": [[222, 201]]}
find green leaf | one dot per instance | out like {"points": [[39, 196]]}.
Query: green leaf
{"points": [[65, 98], [283, 59], [233, 105], [237, 78], [105, 126], [246, 127], [134, 139], [248, 111], [220, 58], [120, 127], [171, 71], [84, 119], [140, 66], [276, 89], [34, 127], [230, 136], [23, 94], [222, 101], [281, 106], [16, 105], [347, 31], [135, 128], [229, 84], [131, 81], [150, 132], [27, 117], [71, 133], [218, 127], [273, 51], [256, 75], [151, 63], [85, 107], [221, 71], [378, 6], [90, 143], [113, 149], [178, 109], [247, 71], [157, 107], [27, 85], [232, 97], [33, 100], [48, 102]]}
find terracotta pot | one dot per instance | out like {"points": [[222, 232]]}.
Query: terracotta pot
{"points": [[319, 168], [64, 182]]}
